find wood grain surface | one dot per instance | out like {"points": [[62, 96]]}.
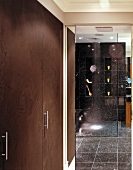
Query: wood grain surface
{"points": [[30, 83], [52, 92], [71, 95]]}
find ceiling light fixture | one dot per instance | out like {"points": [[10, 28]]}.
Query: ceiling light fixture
{"points": [[104, 4], [80, 38], [111, 38], [99, 35], [104, 29]]}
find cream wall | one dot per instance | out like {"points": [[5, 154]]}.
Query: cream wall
{"points": [[84, 18], [98, 18], [53, 8]]}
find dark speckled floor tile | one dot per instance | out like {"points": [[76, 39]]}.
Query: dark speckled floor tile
{"points": [[106, 157], [105, 153], [88, 148], [104, 166], [110, 139], [124, 141], [80, 165], [108, 142], [78, 142], [124, 166], [85, 157], [124, 134], [124, 157], [83, 168], [90, 144], [79, 139], [91, 140], [125, 130], [77, 146], [107, 149], [125, 148]]}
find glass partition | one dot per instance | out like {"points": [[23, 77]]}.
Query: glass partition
{"points": [[103, 85]]}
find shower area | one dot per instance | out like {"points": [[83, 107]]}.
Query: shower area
{"points": [[101, 85]]}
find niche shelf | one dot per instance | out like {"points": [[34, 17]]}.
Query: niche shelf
{"points": [[107, 76]]}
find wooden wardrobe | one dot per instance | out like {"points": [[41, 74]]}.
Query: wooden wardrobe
{"points": [[31, 114]]}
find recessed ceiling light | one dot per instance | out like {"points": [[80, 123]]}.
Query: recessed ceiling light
{"points": [[92, 49], [104, 4], [111, 38], [104, 29], [99, 35], [80, 38]]}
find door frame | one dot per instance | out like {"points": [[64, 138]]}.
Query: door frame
{"points": [[65, 161], [65, 123]]}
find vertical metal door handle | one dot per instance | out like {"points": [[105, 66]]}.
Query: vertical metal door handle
{"points": [[46, 119], [6, 145], [6, 154]]}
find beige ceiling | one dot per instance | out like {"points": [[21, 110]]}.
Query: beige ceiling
{"points": [[120, 33], [94, 5]]}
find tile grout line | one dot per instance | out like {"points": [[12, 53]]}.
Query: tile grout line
{"points": [[96, 154], [79, 145], [118, 145], [117, 154]]}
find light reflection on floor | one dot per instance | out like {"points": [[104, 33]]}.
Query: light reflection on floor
{"points": [[105, 129]]}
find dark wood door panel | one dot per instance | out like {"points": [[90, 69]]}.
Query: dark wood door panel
{"points": [[32, 46], [23, 95], [3, 72], [52, 93]]}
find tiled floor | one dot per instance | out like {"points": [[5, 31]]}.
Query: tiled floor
{"points": [[104, 153]]}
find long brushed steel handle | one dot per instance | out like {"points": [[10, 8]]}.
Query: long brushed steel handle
{"points": [[46, 119], [6, 145], [6, 152]]}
